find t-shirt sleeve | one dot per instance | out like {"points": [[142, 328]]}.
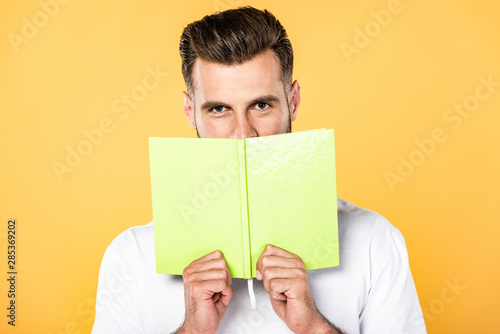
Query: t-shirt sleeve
{"points": [[116, 308], [392, 304]]}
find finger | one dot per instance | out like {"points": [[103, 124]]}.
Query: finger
{"points": [[271, 250], [205, 266], [292, 288], [217, 254], [265, 252], [278, 288], [207, 275], [220, 287], [222, 303], [278, 296], [272, 273], [216, 297], [206, 289], [279, 261], [275, 250], [218, 264], [227, 294]]}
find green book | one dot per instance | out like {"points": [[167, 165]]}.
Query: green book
{"points": [[238, 195]]}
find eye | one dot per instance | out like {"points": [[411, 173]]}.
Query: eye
{"points": [[262, 105], [217, 110]]}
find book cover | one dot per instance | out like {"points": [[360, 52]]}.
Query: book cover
{"points": [[238, 195]]}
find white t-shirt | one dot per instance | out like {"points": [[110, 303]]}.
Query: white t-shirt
{"points": [[371, 291]]}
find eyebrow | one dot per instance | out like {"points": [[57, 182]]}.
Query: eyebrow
{"points": [[265, 98]]}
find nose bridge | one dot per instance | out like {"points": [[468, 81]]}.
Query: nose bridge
{"points": [[243, 127]]}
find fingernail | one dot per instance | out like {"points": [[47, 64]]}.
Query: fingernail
{"points": [[258, 275]]}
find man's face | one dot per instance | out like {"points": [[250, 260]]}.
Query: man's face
{"points": [[241, 101]]}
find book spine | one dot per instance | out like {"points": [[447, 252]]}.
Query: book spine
{"points": [[247, 269]]}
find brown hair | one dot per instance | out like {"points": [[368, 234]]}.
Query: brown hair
{"points": [[233, 37]]}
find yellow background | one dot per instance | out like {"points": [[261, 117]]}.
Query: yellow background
{"points": [[396, 89]]}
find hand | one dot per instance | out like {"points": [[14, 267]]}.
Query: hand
{"points": [[285, 279], [207, 292]]}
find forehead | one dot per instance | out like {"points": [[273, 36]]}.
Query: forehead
{"points": [[255, 77]]}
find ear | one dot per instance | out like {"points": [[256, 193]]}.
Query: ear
{"points": [[188, 109], [294, 100]]}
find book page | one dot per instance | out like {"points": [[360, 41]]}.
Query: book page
{"points": [[196, 202], [292, 198]]}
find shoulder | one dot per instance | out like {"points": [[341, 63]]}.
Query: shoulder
{"points": [[134, 235], [134, 238], [134, 246], [377, 256], [364, 231], [363, 220]]}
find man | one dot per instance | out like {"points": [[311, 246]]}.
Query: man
{"points": [[237, 66]]}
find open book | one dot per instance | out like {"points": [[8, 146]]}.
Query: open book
{"points": [[238, 195]]}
